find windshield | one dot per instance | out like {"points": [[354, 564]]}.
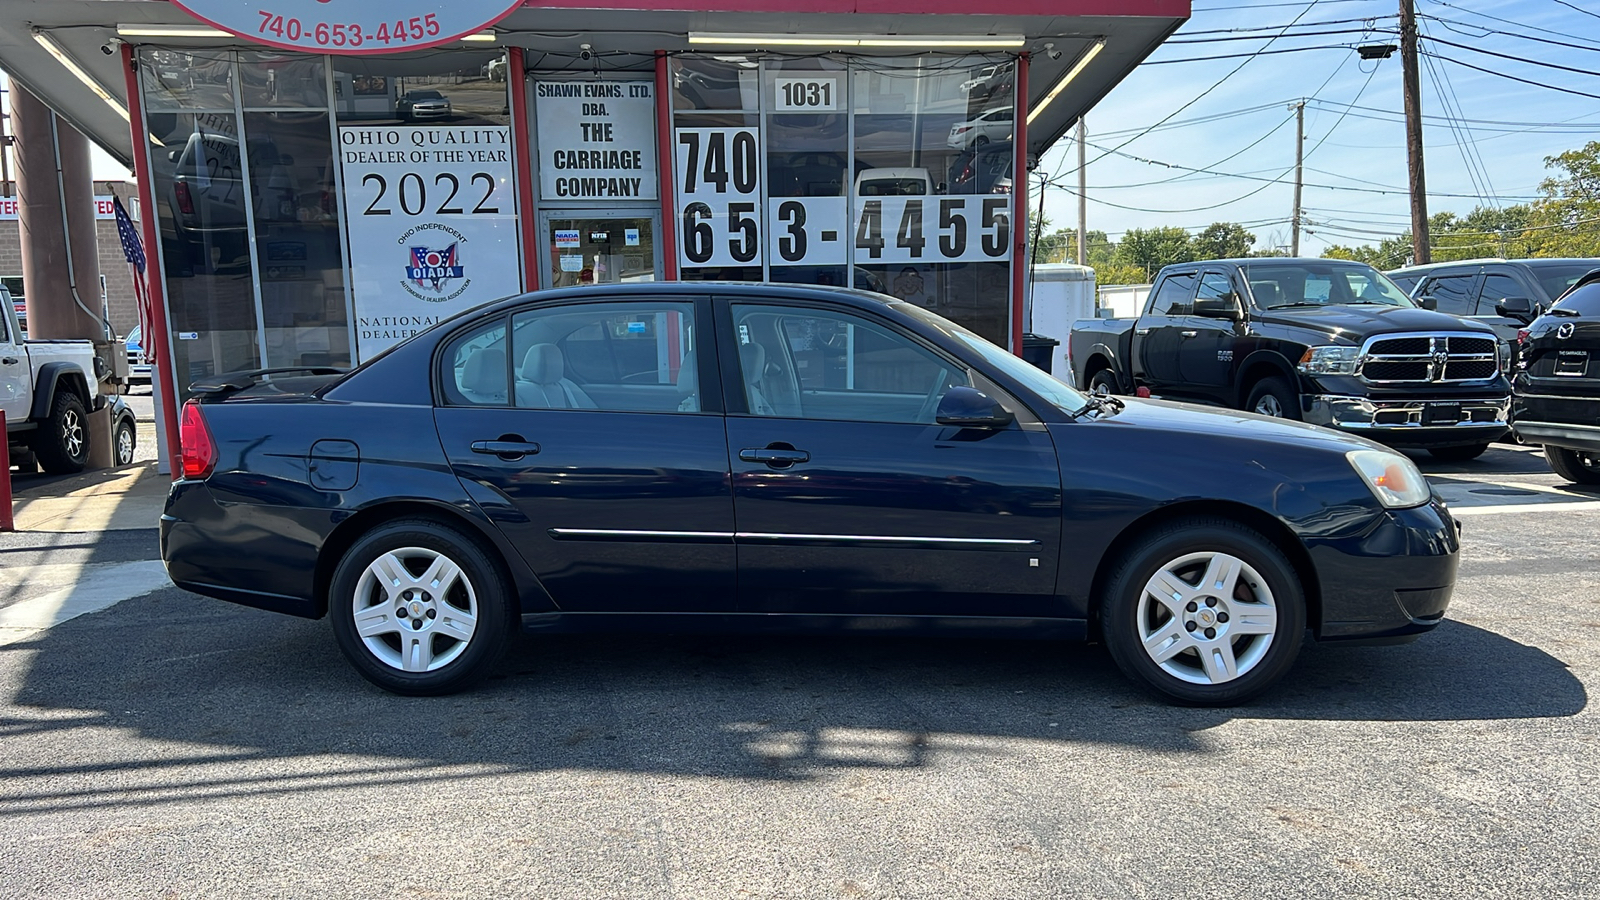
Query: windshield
{"points": [[1281, 285], [1035, 379], [1557, 279]]}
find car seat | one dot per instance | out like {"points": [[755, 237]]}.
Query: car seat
{"points": [[483, 378], [542, 381], [753, 360]]}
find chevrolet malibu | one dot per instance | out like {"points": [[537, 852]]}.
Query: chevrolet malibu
{"points": [[731, 456]]}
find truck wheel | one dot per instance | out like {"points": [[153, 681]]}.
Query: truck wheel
{"points": [[1576, 466], [1273, 397], [62, 442], [1458, 454], [1103, 382], [1204, 611]]}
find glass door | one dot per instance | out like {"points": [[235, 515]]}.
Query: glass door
{"points": [[600, 247]]}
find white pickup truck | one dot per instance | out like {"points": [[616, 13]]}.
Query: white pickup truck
{"points": [[46, 390]]}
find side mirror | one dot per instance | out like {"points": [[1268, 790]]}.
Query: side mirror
{"points": [[1218, 309], [1519, 308], [1427, 303], [172, 156], [965, 407]]}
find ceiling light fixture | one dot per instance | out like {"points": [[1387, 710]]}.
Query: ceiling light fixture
{"points": [[54, 49], [171, 31], [486, 36], [1077, 68], [844, 40]]}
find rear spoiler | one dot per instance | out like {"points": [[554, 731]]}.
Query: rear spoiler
{"points": [[233, 382]]}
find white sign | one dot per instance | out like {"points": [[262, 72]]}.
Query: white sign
{"points": [[103, 208], [808, 231], [350, 26], [631, 236], [597, 139], [815, 93], [432, 222], [568, 238], [719, 197], [900, 229]]}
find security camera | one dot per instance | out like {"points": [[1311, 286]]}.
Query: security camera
{"points": [[1051, 51], [586, 52], [110, 47]]}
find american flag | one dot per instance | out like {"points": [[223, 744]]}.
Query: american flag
{"points": [[133, 251]]}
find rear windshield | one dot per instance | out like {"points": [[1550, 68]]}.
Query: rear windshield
{"points": [[1282, 285], [895, 187], [1585, 301], [1556, 279]]}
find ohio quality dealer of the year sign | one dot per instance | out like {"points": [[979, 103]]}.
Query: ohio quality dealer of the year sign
{"points": [[350, 26]]}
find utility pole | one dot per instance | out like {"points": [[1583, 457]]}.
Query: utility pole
{"points": [[1412, 89], [1083, 201], [1299, 172]]}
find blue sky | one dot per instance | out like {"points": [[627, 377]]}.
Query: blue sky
{"points": [[1347, 148]]}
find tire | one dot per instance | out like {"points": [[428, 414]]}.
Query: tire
{"points": [[979, 142], [62, 442], [1106, 379], [1274, 397], [1458, 454], [1256, 629], [1576, 466], [463, 631], [123, 442]]}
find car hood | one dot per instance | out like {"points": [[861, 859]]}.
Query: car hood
{"points": [[1357, 323], [1176, 420]]}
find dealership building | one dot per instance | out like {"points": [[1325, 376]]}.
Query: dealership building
{"points": [[318, 180]]}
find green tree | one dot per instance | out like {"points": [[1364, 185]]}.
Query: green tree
{"points": [[1566, 220], [1151, 248], [1223, 240]]}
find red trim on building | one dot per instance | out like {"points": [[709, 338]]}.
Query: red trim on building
{"points": [[665, 167], [990, 11], [160, 338], [1019, 204], [521, 132]]}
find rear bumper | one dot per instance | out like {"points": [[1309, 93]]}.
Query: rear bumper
{"points": [[1393, 581], [1561, 434], [216, 550], [1410, 422]]}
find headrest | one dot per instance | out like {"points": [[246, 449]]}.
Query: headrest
{"points": [[753, 358], [485, 371], [543, 364]]}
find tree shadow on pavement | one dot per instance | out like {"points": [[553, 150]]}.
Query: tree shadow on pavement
{"points": [[221, 683]]}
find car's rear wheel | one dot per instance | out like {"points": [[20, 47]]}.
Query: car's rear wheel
{"points": [[1576, 466], [419, 608], [1104, 382], [124, 442], [1204, 611], [1458, 454], [1273, 397], [62, 442]]}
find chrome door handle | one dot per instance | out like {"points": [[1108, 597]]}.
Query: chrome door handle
{"points": [[1188, 333], [509, 450], [1141, 331]]}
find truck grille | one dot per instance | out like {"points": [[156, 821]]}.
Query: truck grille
{"points": [[1428, 359]]}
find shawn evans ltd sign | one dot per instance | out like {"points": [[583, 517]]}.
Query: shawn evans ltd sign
{"points": [[597, 140], [350, 26]]}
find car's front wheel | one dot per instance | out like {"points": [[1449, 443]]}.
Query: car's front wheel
{"points": [[1104, 382], [1204, 611], [124, 441], [1273, 397], [1576, 466], [419, 608]]}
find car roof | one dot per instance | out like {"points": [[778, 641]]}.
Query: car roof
{"points": [[1266, 260], [689, 289]]}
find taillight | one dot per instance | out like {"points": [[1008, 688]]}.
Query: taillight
{"points": [[199, 452], [185, 202]]}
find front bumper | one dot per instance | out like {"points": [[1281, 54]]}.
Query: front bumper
{"points": [[1413, 422], [1393, 580]]}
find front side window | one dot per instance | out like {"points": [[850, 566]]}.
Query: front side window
{"points": [[1497, 287], [1215, 286], [816, 364], [636, 357], [1451, 294], [1175, 295]]}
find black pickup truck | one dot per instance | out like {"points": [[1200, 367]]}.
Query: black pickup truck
{"points": [[1323, 341]]}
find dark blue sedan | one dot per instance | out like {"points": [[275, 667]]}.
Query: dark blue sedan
{"points": [[673, 456]]}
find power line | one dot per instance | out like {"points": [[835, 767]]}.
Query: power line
{"points": [[1578, 8], [1245, 56], [1520, 59], [1451, 59], [1240, 30], [1486, 31], [1268, 5], [1256, 37]]}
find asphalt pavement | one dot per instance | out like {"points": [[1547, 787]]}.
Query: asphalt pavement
{"points": [[177, 746]]}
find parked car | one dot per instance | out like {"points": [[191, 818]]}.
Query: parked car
{"points": [[983, 169], [890, 182], [1325, 341], [1556, 385], [1474, 288], [138, 360], [990, 125], [124, 430], [47, 389], [564, 461], [418, 105]]}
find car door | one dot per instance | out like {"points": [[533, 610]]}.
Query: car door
{"points": [[15, 375], [1158, 334], [850, 500], [593, 438], [1453, 292], [1205, 354]]}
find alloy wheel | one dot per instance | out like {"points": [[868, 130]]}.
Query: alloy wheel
{"points": [[124, 446], [415, 610], [1268, 405], [1207, 618], [72, 433]]}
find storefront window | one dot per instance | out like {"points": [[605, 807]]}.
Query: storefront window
{"points": [[437, 88]]}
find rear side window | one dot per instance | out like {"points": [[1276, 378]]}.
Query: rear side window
{"points": [[476, 368], [635, 356], [1585, 301], [1175, 296]]}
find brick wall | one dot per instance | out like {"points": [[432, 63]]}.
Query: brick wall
{"points": [[118, 275]]}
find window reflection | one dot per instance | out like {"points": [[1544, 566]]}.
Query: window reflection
{"points": [[439, 88]]}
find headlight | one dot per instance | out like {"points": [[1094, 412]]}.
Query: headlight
{"points": [[1394, 480], [1330, 360], [1502, 350]]}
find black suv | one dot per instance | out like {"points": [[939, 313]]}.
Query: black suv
{"points": [[1556, 388], [1505, 294]]}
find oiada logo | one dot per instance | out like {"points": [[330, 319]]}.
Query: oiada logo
{"points": [[434, 269]]}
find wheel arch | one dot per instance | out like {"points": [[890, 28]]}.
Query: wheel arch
{"points": [[1259, 366], [55, 375], [1101, 357], [1269, 526], [348, 532]]}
